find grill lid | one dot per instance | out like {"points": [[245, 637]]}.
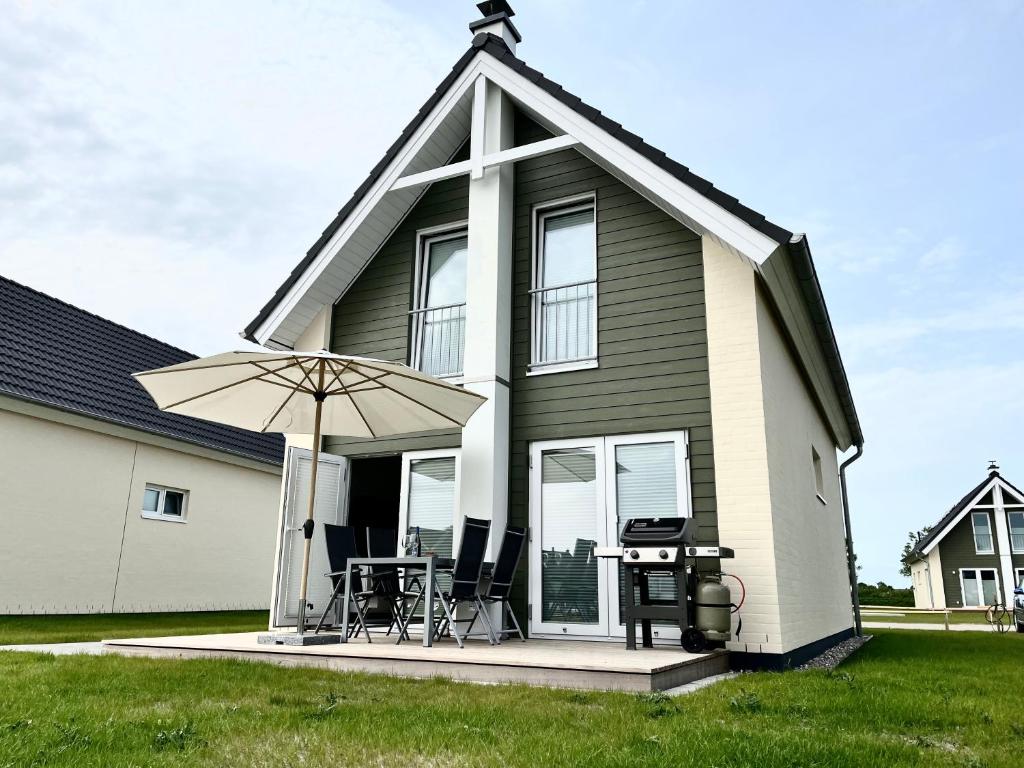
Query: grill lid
{"points": [[654, 531]]}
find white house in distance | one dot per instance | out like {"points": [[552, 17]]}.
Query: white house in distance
{"points": [[624, 318], [106, 503]]}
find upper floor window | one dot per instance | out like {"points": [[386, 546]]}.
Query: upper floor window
{"points": [[1016, 519], [160, 503], [564, 293], [982, 524], [439, 313], [819, 477]]}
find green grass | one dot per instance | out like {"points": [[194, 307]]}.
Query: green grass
{"points": [[908, 698], [83, 627], [930, 617]]}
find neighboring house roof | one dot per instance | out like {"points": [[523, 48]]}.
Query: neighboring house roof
{"points": [[58, 355], [496, 47], [957, 512]]}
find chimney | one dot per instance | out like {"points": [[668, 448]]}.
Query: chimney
{"points": [[497, 20]]}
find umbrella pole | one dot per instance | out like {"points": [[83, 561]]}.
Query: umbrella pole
{"points": [[307, 527]]}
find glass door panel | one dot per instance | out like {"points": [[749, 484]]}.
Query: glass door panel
{"points": [[648, 481], [568, 521]]}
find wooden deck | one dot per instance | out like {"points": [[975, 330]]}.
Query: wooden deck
{"points": [[555, 663]]}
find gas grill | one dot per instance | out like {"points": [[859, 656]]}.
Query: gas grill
{"points": [[660, 546]]}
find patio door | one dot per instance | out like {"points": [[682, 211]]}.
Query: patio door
{"points": [[331, 507], [581, 494]]}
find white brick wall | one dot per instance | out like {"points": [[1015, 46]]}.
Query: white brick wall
{"points": [[809, 535], [740, 446]]}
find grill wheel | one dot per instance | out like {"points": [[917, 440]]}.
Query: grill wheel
{"points": [[693, 640]]}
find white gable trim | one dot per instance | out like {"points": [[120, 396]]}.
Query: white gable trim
{"points": [[684, 203], [967, 510], [677, 199], [380, 188]]}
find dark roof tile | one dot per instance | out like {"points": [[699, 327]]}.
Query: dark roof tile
{"points": [[55, 354]]}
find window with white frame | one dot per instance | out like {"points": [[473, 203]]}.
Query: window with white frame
{"points": [[439, 312], [819, 477], [430, 482], [161, 503], [564, 285], [980, 587], [1015, 517], [1020, 578], [981, 522]]}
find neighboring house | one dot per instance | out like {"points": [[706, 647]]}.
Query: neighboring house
{"points": [[974, 556], [648, 347], [106, 503]]}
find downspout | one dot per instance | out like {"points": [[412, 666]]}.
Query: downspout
{"points": [[850, 558]]}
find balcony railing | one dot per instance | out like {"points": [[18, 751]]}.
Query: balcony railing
{"points": [[565, 323], [439, 339]]}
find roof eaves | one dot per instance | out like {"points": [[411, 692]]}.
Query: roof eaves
{"points": [[810, 286]]}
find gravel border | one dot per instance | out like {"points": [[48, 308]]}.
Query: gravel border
{"points": [[836, 655]]}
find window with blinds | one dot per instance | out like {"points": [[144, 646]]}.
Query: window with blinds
{"points": [[568, 535], [645, 487], [564, 292], [431, 503]]}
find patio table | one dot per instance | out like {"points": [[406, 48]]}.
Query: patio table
{"points": [[428, 564]]}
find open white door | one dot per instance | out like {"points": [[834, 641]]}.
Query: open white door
{"points": [[331, 507]]}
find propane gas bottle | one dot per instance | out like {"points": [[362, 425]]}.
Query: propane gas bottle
{"points": [[713, 605]]}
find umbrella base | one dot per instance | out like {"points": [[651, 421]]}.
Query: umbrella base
{"points": [[294, 638]]}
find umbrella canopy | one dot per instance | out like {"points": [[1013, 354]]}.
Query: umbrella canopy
{"points": [[279, 392], [309, 393]]}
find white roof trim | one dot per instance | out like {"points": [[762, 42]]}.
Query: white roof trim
{"points": [[967, 510], [676, 198]]}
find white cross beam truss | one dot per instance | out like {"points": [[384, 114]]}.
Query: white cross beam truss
{"points": [[478, 161]]}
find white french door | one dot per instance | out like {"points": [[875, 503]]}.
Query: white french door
{"points": [[331, 506], [582, 491]]}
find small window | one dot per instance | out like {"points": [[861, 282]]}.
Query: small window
{"points": [[1016, 519], [564, 292], [982, 525], [439, 313], [160, 503], [819, 477]]}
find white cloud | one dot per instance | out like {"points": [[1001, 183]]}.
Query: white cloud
{"points": [[942, 256], [193, 150]]}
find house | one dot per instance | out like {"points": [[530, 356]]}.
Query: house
{"points": [[106, 503], [648, 345], [974, 555]]}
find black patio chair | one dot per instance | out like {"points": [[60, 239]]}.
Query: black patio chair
{"points": [[501, 582], [465, 588], [341, 545], [385, 585]]}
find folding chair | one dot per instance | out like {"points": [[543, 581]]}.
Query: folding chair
{"points": [[341, 545], [501, 582], [465, 583]]}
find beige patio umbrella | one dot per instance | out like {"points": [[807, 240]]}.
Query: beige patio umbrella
{"points": [[309, 393]]}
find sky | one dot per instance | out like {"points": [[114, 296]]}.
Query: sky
{"points": [[166, 164]]}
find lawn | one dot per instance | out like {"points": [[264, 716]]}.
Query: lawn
{"points": [[908, 698], [79, 628], [929, 617]]}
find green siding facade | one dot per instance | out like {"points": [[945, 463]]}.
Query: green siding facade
{"points": [[956, 551], [652, 342], [372, 319]]}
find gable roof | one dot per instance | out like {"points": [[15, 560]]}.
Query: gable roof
{"points": [[795, 245], [56, 354], [957, 511]]}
